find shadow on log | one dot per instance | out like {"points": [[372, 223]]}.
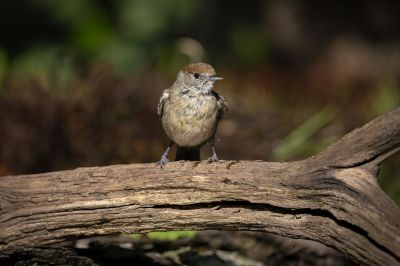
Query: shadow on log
{"points": [[332, 198]]}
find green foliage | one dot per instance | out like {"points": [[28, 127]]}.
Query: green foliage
{"points": [[299, 141], [170, 235], [46, 63], [89, 28], [389, 179], [129, 37], [387, 98], [250, 44]]}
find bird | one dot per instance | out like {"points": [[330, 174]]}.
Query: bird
{"points": [[190, 111]]}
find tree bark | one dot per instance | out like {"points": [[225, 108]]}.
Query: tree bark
{"points": [[332, 198]]}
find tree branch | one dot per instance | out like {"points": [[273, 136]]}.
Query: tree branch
{"points": [[332, 198]]}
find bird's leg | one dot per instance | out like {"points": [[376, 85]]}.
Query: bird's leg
{"points": [[213, 157], [164, 158]]}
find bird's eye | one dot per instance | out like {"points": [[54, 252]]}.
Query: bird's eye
{"points": [[196, 75]]}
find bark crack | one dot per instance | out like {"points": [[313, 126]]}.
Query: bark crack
{"points": [[217, 205]]}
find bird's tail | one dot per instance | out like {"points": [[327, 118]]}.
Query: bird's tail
{"points": [[189, 154]]}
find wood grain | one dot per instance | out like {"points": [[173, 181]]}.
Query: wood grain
{"points": [[332, 198]]}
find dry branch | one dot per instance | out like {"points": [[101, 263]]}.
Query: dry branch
{"points": [[332, 198]]}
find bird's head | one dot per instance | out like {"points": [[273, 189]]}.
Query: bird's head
{"points": [[196, 78]]}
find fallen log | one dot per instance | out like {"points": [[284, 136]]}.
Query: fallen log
{"points": [[332, 197]]}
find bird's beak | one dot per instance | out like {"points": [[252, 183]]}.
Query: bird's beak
{"points": [[215, 78]]}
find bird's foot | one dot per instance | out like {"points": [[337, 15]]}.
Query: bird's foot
{"points": [[212, 159], [163, 161]]}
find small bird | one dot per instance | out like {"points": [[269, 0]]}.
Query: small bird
{"points": [[190, 111]]}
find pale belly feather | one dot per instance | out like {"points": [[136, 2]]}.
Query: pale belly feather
{"points": [[190, 122]]}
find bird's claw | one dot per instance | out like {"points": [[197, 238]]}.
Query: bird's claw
{"points": [[162, 162], [212, 159]]}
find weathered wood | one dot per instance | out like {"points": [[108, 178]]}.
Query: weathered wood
{"points": [[332, 198]]}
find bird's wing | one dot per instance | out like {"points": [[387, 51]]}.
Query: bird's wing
{"points": [[222, 105], [163, 98]]}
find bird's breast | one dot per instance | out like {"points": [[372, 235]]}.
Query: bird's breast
{"points": [[190, 121]]}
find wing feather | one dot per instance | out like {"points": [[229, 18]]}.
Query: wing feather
{"points": [[222, 105], [163, 98]]}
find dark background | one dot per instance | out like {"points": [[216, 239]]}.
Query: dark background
{"points": [[80, 80]]}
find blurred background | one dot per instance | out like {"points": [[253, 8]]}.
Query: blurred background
{"points": [[80, 79], [80, 82]]}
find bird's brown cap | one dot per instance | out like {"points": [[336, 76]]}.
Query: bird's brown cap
{"points": [[199, 68]]}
